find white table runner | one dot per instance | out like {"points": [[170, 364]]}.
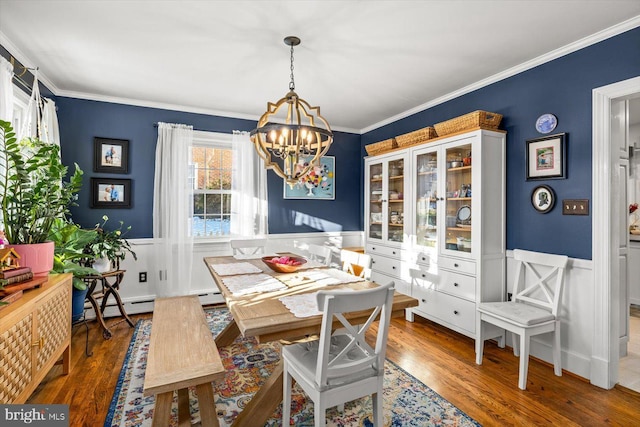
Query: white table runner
{"points": [[304, 305], [249, 284], [234, 268]]}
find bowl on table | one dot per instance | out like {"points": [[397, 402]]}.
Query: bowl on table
{"points": [[284, 264]]}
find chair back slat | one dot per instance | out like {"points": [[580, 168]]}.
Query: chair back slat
{"points": [[248, 246], [533, 284], [334, 304]]}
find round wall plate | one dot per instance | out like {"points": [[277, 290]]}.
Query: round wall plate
{"points": [[546, 123], [543, 198]]}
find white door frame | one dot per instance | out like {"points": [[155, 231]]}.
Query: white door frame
{"points": [[605, 352]]}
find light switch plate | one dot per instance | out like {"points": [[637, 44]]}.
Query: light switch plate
{"points": [[575, 207]]}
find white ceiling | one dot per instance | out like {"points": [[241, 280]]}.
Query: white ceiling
{"points": [[364, 62]]}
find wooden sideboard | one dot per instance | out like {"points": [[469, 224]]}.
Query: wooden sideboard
{"points": [[35, 331]]}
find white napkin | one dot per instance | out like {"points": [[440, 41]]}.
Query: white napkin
{"points": [[249, 284], [234, 268]]}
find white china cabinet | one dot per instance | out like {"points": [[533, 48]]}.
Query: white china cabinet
{"points": [[387, 214], [455, 254]]}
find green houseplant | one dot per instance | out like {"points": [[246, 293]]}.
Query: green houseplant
{"points": [[33, 192], [110, 244]]}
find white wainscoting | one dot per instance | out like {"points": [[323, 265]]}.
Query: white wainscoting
{"points": [[138, 297]]}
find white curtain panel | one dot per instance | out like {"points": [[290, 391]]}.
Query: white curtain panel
{"points": [[49, 124], [31, 127], [173, 209], [249, 185], [6, 90]]}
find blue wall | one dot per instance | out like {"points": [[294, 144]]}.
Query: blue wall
{"points": [[81, 120], [562, 87]]}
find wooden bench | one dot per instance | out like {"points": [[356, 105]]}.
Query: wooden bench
{"points": [[182, 353]]}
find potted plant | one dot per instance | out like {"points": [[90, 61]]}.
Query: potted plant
{"points": [[33, 194], [70, 257], [109, 245]]}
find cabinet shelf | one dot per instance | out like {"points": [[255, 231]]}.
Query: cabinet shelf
{"points": [[376, 180], [395, 225], [433, 172], [459, 229], [456, 199], [397, 177], [460, 169], [396, 201]]}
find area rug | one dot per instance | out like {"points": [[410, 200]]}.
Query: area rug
{"points": [[407, 401]]}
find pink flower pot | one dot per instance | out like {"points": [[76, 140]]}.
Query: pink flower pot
{"points": [[38, 256]]}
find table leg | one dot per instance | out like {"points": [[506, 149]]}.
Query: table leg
{"points": [[162, 409], [207, 405], [228, 335], [264, 402]]}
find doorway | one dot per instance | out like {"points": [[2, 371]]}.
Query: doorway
{"points": [[608, 271]]}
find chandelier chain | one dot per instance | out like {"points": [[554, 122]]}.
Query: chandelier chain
{"points": [[292, 85]]}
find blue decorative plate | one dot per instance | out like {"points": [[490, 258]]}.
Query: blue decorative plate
{"points": [[546, 123]]}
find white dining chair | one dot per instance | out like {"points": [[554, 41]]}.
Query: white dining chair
{"points": [[341, 367], [356, 263], [317, 253], [248, 246], [533, 309]]}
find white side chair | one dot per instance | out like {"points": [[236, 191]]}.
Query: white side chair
{"points": [[318, 253], [341, 367], [356, 263], [248, 246], [533, 309]]}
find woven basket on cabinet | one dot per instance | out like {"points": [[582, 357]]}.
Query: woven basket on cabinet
{"points": [[381, 147], [416, 137], [472, 120]]}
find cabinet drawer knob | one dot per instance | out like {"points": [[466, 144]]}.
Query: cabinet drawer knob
{"points": [[455, 265], [424, 275], [394, 252], [455, 312], [39, 343], [424, 259], [456, 285], [423, 300], [393, 267]]}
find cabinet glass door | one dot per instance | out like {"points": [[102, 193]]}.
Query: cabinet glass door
{"points": [[375, 201], [458, 198], [395, 199], [426, 197]]}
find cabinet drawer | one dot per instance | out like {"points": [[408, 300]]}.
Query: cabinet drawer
{"points": [[373, 249], [400, 285], [424, 258], [388, 266], [456, 264], [445, 308], [457, 284]]}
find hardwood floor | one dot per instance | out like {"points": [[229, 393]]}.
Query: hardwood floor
{"points": [[442, 359]]}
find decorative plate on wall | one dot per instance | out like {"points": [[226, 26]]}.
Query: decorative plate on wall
{"points": [[546, 123]]}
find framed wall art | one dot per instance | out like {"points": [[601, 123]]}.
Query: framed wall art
{"points": [[110, 193], [110, 155], [546, 157], [543, 198], [318, 184]]}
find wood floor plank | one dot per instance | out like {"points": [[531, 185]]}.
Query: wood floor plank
{"points": [[441, 358]]}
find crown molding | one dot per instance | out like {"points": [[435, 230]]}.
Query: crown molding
{"points": [[542, 59]]}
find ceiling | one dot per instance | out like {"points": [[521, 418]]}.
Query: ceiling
{"points": [[365, 63]]}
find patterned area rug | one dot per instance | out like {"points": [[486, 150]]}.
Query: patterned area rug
{"points": [[407, 402]]}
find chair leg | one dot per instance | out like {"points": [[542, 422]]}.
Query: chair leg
{"points": [[319, 413], [378, 409], [524, 361], [514, 340], [557, 351], [286, 397]]}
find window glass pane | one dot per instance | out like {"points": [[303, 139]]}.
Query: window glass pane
{"points": [[198, 204], [198, 226], [213, 202], [213, 182], [197, 156], [225, 226], [226, 203], [225, 176], [200, 174]]}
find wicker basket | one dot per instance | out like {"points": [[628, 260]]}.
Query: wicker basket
{"points": [[416, 137], [473, 120], [381, 147]]}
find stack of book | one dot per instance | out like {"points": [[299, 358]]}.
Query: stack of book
{"points": [[15, 275]]}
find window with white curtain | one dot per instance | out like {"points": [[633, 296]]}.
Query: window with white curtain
{"points": [[211, 156]]}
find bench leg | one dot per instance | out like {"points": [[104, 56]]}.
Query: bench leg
{"points": [[184, 412], [207, 405], [162, 409], [228, 334]]}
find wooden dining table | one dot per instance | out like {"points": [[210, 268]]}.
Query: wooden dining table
{"points": [[262, 315]]}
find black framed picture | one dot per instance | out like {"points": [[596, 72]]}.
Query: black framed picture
{"points": [[543, 198], [110, 193], [110, 155], [546, 157]]}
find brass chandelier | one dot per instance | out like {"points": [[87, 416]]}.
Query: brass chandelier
{"points": [[291, 143]]}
